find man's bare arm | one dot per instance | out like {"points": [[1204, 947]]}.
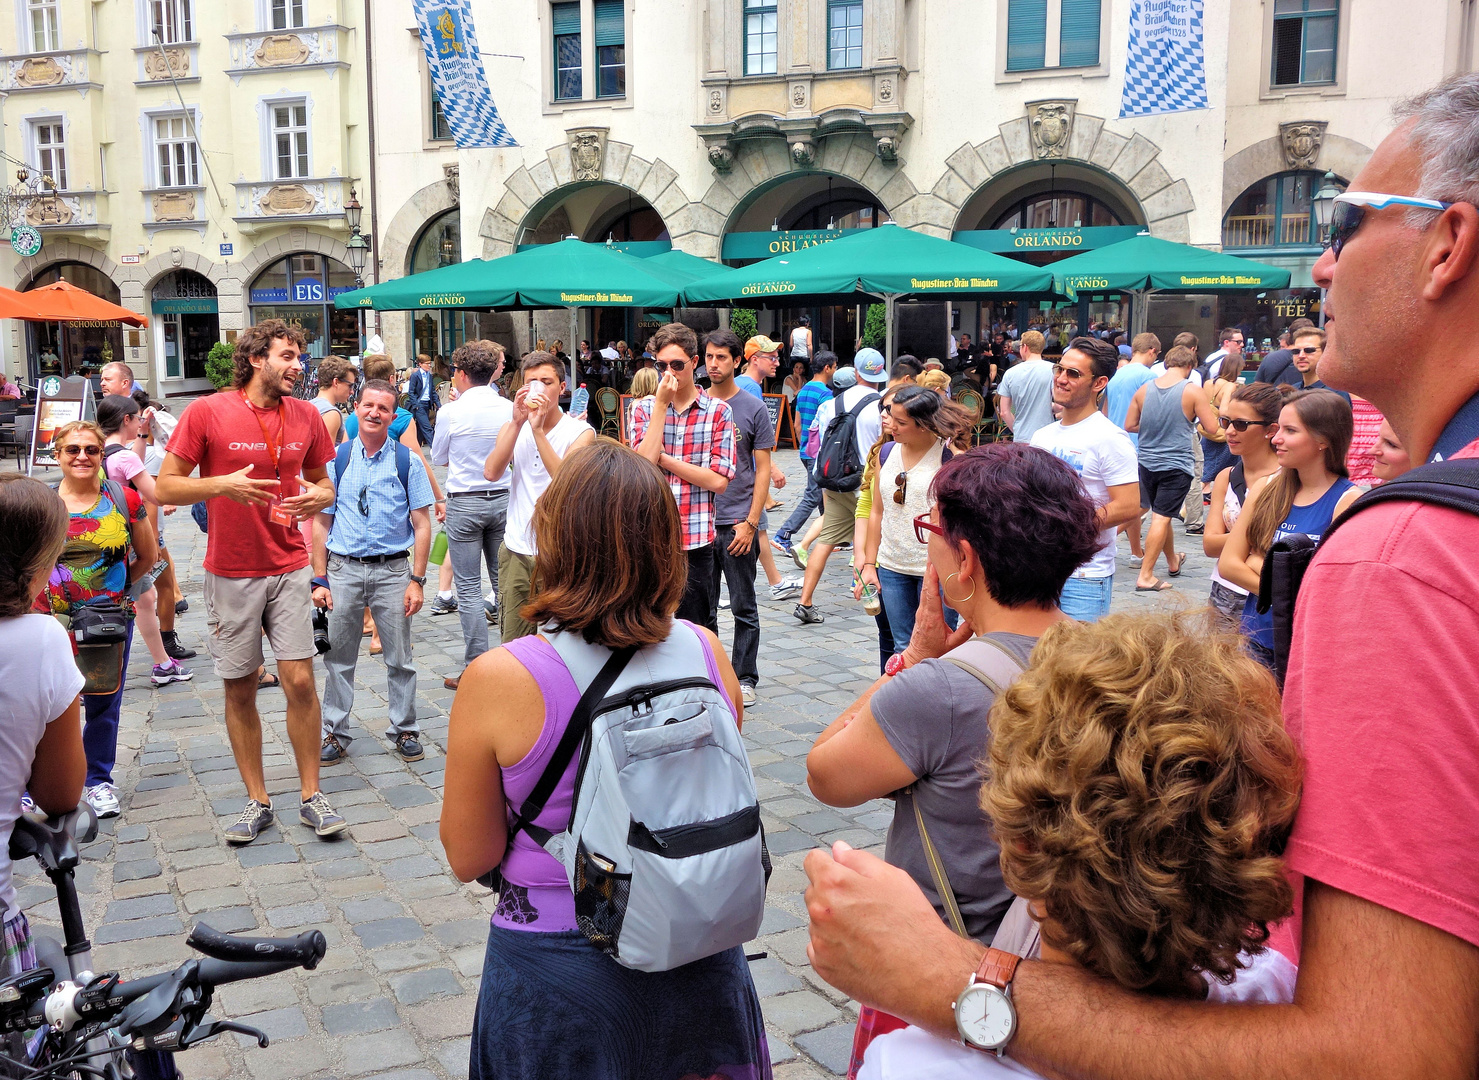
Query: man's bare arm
{"points": [[696, 475]]}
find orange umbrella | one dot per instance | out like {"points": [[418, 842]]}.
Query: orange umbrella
{"points": [[65, 302], [14, 305]]}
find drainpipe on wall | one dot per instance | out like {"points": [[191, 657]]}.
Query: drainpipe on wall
{"points": [[374, 200]]}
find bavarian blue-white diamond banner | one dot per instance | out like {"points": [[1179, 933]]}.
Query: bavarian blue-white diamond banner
{"points": [[1164, 71], [457, 73]]}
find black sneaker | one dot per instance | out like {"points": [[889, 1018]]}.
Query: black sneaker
{"points": [[182, 606], [408, 746], [333, 750], [808, 613], [319, 816], [173, 647], [250, 824]]}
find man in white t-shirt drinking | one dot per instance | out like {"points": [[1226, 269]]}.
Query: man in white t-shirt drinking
{"points": [[1104, 458], [535, 442]]}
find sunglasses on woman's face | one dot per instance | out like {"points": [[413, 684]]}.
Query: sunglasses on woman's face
{"points": [[663, 365], [1241, 425], [73, 450]]}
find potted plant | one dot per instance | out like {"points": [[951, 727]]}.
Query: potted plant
{"points": [[218, 367]]}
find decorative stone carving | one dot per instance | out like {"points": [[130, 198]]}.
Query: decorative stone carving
{"points": [[156, 68], [282, 199], [716, 102], [1052, 125], [281, 50], [53, 211], [804, 154], [587, 152], [1301, 141], [452, 174], [886, 91], [38, 71], [798, 96], [888, 149], [722, 158], [174, 205]]}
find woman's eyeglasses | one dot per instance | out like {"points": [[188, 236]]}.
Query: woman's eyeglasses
{"points": [[73, 450], [901, 487], [663, 365], [923, 526], [1350, 211], [1241, 425]]}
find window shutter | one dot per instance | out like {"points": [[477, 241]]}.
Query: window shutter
{"points": [[1079, 45], [1027, 34], [566, 18], [610, 22]]}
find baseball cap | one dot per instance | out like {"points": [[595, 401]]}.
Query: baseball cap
{"points": [[760, 344], [871, 366], [844, 377]]}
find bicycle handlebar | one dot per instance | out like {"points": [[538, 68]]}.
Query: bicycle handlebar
{"points": [[307, 949]]}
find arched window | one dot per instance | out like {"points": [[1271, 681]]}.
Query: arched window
{"points": [[440, 243], [1057, 210], [300, 290], [1276, 213]]}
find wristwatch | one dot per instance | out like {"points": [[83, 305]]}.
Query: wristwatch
{"points": [[985, 1017], [419, 580], [894, 664]]}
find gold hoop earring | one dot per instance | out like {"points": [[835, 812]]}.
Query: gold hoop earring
{"points": [[946, 591]]}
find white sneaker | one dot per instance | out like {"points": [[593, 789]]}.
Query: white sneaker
{"points": [[747, 695], [103, 798], [786, 589], [724, 602]]}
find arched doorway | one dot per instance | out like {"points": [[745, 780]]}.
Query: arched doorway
{"points": [[74, 348], [440, 244], [300, 290], [186, 324]]}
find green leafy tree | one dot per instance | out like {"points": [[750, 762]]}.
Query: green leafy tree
{"points": [[218, 367], [742, 322], [875, 327]]}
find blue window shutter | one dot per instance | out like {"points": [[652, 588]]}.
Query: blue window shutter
{"points": [[1079, 44], [1027, 34], [566, 18], [610, 23]]}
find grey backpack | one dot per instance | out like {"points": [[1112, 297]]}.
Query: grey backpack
{"points": [[664, 850]]}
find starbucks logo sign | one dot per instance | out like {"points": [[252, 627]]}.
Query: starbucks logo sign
{"points": [[51, 386], [25, 240]]}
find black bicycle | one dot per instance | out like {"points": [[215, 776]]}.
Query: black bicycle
{"points": [[60, 1020]]}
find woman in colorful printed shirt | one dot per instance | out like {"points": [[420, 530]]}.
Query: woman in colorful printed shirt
{"points": [[107, 522]]}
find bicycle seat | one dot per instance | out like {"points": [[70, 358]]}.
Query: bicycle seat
{"points": [[53, 841]]}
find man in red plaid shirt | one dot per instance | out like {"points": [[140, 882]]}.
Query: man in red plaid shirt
{"points": [[694, 445]]}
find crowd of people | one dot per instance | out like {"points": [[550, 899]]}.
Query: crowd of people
{"points": [[1117, 818]]}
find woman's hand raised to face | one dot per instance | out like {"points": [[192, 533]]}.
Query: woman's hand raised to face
{"points": [[932, 636]]}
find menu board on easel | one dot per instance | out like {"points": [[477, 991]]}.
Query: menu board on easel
{"points": [[58, 402], [782, 419]]}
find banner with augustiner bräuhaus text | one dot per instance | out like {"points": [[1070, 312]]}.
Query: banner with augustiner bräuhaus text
{"points": [[457, 73], [1164, 70]]}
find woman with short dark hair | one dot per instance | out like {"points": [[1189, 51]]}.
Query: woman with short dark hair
{"points": [[611, 572]]}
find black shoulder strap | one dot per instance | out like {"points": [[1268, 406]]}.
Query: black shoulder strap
{"points": [[575, 733], [1454, 484]]}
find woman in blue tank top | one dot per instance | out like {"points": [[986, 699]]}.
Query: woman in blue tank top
{"points": [[1307, 493]]}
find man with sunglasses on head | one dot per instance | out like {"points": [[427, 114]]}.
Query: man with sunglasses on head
{"points": [[369, 551], [1388, 822], [1104, 459], [1308, 348], [690, 436]]}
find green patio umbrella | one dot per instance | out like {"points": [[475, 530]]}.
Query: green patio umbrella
{"points": [[1144, 264], [691, 267], [888, 263]]}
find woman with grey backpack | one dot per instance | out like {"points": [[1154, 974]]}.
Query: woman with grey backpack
{"points": [[596, 779]]}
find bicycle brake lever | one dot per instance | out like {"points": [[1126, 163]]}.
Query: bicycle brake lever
{"points": [[212, 1028]]}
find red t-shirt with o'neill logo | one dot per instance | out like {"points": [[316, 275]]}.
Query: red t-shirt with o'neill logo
{"points": [[224, 433]]}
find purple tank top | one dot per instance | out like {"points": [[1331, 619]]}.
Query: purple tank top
{"points": [[536, 895]]}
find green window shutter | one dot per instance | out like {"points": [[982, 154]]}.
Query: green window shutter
{"points": [[610, 23], [566, 18], [1079, 44], [1027, 34]]}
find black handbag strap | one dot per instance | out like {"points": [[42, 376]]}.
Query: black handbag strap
{"points": [[575, 733]]}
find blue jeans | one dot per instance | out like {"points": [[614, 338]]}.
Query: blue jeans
{"points": [[811, 499], [474, 533], [100, 724], [1087, 599], [900, 595]]}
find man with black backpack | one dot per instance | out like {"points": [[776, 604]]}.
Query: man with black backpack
{"points": [[850, 424]]}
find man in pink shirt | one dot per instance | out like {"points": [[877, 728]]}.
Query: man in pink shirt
{"points": [[1382, 697]]}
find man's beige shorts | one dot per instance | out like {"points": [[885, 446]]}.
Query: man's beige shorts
{"points": [[839, 512], [515, 587], [238, 610]]}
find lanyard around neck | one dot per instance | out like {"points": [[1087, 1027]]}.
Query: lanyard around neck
{"points": [[273, 451]]}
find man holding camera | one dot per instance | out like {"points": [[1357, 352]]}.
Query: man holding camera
{"points": [[369, 550]]}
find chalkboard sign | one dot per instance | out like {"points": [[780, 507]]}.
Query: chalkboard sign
{"points": [[782, 419]]}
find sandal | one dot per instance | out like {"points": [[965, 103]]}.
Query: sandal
{"points": [[1180, 565], [1159, 586], [266, 680]]}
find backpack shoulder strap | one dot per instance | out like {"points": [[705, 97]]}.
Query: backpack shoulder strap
{"points": [[116, 495], [1453, 484], [868, 400], [341, 461], [403, 467], [988, 661], [884, 451]]}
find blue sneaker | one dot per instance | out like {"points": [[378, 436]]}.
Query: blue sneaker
{"points": [[782, 543]]}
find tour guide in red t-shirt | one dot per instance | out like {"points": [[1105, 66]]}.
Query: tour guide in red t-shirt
{"points": [[262, 457]]}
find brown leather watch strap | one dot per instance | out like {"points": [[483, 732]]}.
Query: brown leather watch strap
{"points": [[997, 968]]}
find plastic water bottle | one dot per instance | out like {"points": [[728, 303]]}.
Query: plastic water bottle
{"points": [[579, 400]]}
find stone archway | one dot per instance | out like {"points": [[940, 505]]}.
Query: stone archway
{"points": [[396, 246], [66, 251], [1268, 157], [264, 254], [1133, 161]]}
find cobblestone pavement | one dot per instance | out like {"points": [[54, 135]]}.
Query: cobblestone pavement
{"points": [[395, 995]]}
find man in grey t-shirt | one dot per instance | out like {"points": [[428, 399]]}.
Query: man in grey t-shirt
{"points": [[1026, 391]]}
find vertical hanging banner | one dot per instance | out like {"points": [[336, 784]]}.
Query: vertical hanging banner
{"points": [[1164, 71], [457, 73]]}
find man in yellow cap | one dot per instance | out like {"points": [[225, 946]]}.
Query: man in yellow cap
{"points": [[761, 359]]}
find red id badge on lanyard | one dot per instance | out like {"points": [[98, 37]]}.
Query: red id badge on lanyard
{"points": [[277, 515]]}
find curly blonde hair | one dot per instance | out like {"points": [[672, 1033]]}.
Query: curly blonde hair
{"points": [[1142, 789]]}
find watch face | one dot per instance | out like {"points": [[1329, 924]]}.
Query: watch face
{"points": [[984, 1016]]}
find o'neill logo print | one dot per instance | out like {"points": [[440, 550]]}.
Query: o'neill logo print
{"points": [[261, 446]]}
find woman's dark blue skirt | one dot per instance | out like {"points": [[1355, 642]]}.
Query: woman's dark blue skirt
{"points": [[552, 1005]]}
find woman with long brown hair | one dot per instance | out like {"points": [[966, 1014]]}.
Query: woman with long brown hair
{"points": [[1215, 454], [1306, 494], [611, 572], [1250, 417]]}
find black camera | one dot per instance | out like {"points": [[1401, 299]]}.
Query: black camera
{"points": [[321, 630]]}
